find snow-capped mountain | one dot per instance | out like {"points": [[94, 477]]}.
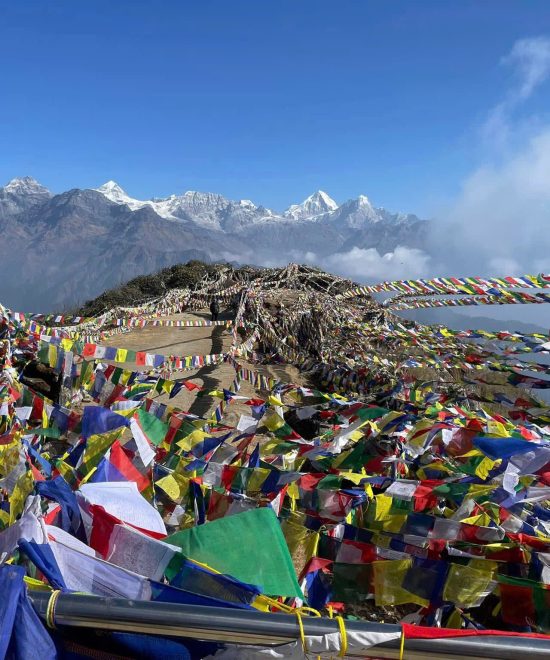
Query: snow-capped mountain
{"points": [[204, 209], [111, 190], [75, 244], [21, 194], [312, 207], [25, 186], [217, 212], [356, 213]]}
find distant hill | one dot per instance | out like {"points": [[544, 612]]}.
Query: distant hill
{"points": [[459, 321], [146, 287]]}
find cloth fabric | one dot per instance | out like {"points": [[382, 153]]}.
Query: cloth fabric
{"points": [[22, 634], [260, 556]]}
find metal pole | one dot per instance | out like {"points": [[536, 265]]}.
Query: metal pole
{"points": [[265, 629]]}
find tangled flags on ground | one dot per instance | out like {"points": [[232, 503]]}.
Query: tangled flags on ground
{"points": [[408, 498]]}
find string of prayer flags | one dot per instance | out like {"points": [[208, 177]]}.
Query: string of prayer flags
{"points": [[403, 465]]}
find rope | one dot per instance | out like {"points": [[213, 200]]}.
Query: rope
{"points": [[402, 645], [50, 608], [302, 633], [263, 603], [343, 636], [309, 610]]}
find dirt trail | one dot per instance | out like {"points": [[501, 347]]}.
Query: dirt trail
{"points": [[197, 341]]}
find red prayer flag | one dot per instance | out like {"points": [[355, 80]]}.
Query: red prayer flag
{"points": [[124, 465], [103, 526], [89, 350], [191, 386]]}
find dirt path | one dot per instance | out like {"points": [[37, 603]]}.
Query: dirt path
{"points": [[197, 341]]}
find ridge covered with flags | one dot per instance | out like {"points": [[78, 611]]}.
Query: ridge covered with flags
{"points": [[343, 460]]}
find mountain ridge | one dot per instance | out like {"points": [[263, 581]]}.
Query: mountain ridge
{"points": [[58, 249], [318, 205]]}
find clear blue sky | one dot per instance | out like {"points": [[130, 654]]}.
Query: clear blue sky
{"points": [[267, 100]]}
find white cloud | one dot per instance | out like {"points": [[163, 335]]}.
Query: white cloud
{"points": [[500, 223], [362, 265], [502, 218], [531, 59], [368, 264], [505, 265]]}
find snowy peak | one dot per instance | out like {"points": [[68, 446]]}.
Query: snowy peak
{"points": [[356, 214], [362, 206], [314, 205], [216, 212], [114, 192], [20, 195], [322, 200], [111, 187], [205, 200], [25, 186], [208, 210], [363, 200]]}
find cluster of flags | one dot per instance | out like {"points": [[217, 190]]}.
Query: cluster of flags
{"points": [[368, 489]]}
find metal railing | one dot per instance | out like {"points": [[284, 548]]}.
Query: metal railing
{"points": [[256, 628]]}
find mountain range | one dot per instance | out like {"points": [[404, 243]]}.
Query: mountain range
{"points": [[57, 250]]}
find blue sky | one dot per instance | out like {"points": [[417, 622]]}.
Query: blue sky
{"points": [[262, 100]]}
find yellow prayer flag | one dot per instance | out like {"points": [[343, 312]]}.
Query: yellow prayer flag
{"points": [[96, 446], [481, 520], [485, 467], [125, 377], [497, 429], [66, 344], [352, 476], [273, 421], [256, 479], [191, 440], [467, 586], [174, 485], [22, 490], [168, 385], [478, 490], [388, 578], [52, 355], [130, 412], [293, 491], [302, 542], [472, 452]]}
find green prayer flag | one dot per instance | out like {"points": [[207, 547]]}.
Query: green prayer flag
{"points": [[371, 413], [152, 426], [46, 432], [115, 376], [249, 546]]}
